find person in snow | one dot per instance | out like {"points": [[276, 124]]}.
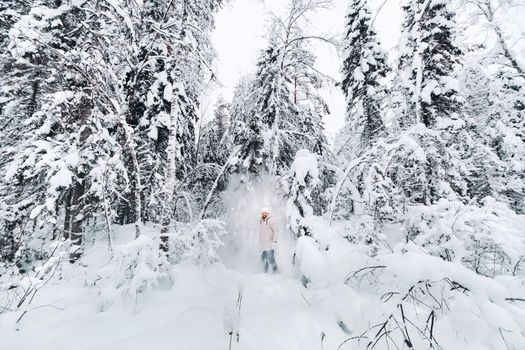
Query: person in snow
{"points": [[268, 238]]}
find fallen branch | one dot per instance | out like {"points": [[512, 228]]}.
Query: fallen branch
{"points": [[398, 324], [514, 299], [369, 269]]}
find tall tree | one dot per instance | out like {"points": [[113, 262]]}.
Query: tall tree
{"points": [[107, 94], [364, 69], [185, 73], [16, 95], [57, 171], [429, 59], [495, 95], [287, 113]]}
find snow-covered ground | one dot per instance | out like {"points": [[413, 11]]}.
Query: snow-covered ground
{"points": [[276, 310], [82, 308]]}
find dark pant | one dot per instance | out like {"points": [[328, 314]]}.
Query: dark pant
{"points": [[268, 259]]}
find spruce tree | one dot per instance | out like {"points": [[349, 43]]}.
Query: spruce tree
{"points": [[288, 110], [429, 57], [428, 106], [214, 139], [364, 68]]}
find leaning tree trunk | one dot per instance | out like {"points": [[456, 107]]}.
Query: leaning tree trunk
{"points": [[489, 15]]}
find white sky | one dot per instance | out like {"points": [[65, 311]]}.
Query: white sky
{"points": [[240, 35]]}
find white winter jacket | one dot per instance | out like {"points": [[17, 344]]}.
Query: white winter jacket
{"points": [[268, 233]]}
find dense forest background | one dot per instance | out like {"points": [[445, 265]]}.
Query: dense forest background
{"points": [[101, 132]]}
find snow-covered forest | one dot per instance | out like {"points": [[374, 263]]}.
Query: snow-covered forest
{"points": [[131, 181]]}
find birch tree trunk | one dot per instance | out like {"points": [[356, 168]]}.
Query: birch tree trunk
{"points": [[418, 61], [172, 152]]}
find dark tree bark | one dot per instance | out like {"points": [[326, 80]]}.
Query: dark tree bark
{"points": [[78, 187], [67, 214], [77, 219]]}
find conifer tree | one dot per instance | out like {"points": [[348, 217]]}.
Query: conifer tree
{"points": [[215, 139], [430, 102], [287, 114], [429, 56], [364, 67]]}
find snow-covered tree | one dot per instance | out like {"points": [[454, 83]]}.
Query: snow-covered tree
{"points": [[166, 58], [246, 127], [474, 235], [215, 139], [298, 184], [488, 10], [185, 73], [102, 100], [494, 100], [429, 56], [201, 243], [67, 152], [16, 96], [364, 70], [379, 195], [493, 84], [287, 114], [429, 59]]}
